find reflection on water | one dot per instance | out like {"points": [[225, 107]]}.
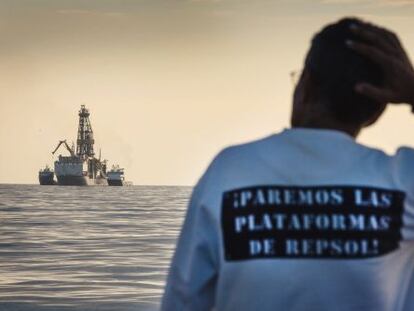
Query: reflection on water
{"points": [[86, 248]]}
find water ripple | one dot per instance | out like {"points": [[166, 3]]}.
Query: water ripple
{"points": [[86, 248]]}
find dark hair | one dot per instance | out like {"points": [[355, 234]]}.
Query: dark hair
{"points": [[335, 69]]}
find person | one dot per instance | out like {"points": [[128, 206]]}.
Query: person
{"points": [[309, 219]]}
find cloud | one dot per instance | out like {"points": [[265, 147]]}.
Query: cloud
{"points": [[205, 1], [395, 3], [90, 12], [344, 1], [223, 13]]}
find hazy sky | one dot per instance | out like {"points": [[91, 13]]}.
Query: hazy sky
{"points": [[168, 83]]}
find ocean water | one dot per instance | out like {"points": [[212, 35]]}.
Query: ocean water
{"points": [[87, 248]]}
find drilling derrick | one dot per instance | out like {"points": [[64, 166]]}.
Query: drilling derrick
{"points": [[84, 146]]}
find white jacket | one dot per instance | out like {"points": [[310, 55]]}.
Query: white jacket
{"points": [[306, 219]]}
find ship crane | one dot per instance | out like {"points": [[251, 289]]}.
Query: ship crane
{"points": [[72, 153]]}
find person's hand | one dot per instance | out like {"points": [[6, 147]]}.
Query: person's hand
{"points": [[384, 48]]}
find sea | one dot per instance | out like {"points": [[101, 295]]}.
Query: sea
{"points": [[87, 248]]}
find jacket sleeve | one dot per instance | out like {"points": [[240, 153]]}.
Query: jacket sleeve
{"points": [[192, 276]]}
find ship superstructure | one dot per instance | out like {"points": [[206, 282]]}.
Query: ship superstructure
{"points": [[80, 168]]}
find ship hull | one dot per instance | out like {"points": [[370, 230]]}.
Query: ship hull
{"points": [[68, 180], [46, 179], [73, 171], [114, 182]]}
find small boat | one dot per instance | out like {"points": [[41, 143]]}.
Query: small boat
{"points": [[115, 177], [46, 176]]}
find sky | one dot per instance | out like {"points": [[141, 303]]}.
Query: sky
{"points": [[169, 83]]}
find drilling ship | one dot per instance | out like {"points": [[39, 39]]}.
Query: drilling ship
{"points": [[81, 167]]}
